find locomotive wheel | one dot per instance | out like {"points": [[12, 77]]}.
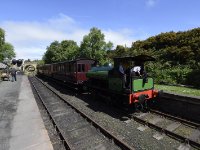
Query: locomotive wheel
{"points": [[144, 107], [138, 107]]}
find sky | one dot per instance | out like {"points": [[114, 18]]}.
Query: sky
{"points": [[31, 25]]}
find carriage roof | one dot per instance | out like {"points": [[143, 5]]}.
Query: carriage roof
{"points": [[76, 60]]}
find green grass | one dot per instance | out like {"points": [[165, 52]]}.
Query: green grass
{"points": [[178, 90]]}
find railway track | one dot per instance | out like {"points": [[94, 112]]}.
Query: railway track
{"points": [[76, 129], [185, 131]]}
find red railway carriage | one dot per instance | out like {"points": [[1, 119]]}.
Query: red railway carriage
{"points": [[44, 69], [72, 72]]}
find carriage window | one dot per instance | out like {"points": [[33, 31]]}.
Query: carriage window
{"points": [[79, 67], [83, 67]]}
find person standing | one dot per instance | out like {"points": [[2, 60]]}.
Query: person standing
{"points": [[136, 70], [13, 73]]}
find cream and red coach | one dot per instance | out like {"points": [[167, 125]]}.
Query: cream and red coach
{"points": [[71, 72]]}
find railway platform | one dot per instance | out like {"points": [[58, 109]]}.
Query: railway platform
{"points": [[21, 125]]}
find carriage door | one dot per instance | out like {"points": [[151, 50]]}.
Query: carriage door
{"points": [[81, 72]]}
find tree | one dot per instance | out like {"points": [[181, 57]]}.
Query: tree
{"points": [[94, 46], [120, 51], [7, 51], [52, 54], [69, 50], [177, 53], [56, 52], [2, 37], [2, 42]]}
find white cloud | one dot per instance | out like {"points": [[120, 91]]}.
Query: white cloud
{"points": [[122, 37], [151, 3], [31, 52], [30, 38]]}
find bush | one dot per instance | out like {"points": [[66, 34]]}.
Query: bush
{"points": [[193, 78], [179, 74], [163, 74]]}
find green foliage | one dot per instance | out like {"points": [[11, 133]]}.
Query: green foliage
{"points": [[2, 42], [9, 50], [6, 49], [40, 62], [56, 52], [120, 51], [52, 54], [94, 46], [177, 54], [2, 37], [69, 49]]}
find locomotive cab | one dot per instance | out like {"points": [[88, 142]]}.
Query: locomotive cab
{"points": [[138, 86]]}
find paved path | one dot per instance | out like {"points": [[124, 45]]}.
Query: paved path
{"points": [[21, 126]]}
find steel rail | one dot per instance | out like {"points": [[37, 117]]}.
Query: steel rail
{"points": [[66, 145], [181, 120], [167, 132], [117, 141]]}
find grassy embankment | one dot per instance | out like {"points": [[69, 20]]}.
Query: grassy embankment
{"points": [[179, 90]]}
